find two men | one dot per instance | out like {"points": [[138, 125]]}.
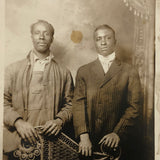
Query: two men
{"points": [[107, 97], [38, 92]]}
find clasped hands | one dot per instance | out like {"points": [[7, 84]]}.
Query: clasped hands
{"points": [[29, 134], [85, 145]]}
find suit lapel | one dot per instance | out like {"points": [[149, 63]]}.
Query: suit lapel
{"points": [[113, 70], [97, 70]]}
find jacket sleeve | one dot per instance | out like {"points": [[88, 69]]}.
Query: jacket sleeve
{"points": [[134, 104], [79, 105], [10, 115], [65, 114]]}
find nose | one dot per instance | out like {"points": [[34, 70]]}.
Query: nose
{"points": [[103, 41], [41, 36]]}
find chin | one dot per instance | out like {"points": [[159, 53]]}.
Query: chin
{"points": [[44, 50], [105, 53]]}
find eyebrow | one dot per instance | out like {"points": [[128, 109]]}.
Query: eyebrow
{"points": [[108, 35]]}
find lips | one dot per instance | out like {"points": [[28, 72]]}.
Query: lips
{"points": [[42, 43], [104, 49]]}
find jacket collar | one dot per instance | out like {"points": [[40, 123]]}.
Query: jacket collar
{"points": [[31, 59], [114, 69], [97, 70]]}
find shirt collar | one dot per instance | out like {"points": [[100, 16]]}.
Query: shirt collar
{"points": [[35, 57], [108, 58]]}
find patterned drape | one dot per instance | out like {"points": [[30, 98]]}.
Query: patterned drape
{"points": [[157, 82], [143, 59], [139, 7]]}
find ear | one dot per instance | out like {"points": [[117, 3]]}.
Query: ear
{"points": [[52, 39]]}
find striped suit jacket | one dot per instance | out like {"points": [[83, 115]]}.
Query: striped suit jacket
{"points": [[105, 103]]}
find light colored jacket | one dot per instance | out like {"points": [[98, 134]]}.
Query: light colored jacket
{"points": [[58, 88]]}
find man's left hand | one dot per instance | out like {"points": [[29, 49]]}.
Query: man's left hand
{"points": [[111, 140], [52, 127]]}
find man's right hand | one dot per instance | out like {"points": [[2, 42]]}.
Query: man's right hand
{"points": [[85, 145], [26, 131]]}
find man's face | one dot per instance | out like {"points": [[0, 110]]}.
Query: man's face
{"points": [[105, 41], [41, 37]]}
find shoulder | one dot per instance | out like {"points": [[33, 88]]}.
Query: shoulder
{"points": [[130, 69], [18, 63], [62, 69], [16, 66], [127, 66], [86, 68]]}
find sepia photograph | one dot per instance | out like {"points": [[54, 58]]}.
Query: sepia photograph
{"points": [[79, 80]]}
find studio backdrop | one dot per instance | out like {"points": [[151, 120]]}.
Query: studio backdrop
{"points": [[74, 22]]}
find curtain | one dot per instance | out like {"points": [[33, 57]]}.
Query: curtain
{"points": [[143, 60], [139, 7], [157, 82]]}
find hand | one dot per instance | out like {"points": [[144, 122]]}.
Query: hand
{"points": [[85, 145], [52, 127], [26, 131], [111, 140]]}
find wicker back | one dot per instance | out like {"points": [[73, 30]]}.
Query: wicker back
{"points": [[60, 147]]}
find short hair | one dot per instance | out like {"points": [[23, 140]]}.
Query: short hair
{"points": [[44, 22], [104, 26]]}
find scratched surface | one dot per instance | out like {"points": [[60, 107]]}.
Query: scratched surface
{"points": [[157, 84], [74, 22], [67, 16]]}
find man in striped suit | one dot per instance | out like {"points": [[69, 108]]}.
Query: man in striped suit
{"points": [[107, 97]]}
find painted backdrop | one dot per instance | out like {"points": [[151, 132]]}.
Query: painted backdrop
{"points": [[74, 22], [67, 16]]}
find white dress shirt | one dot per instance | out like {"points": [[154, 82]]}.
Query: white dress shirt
{"points": [[39, 64], [106, 61]]}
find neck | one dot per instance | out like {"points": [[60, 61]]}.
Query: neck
{"points": [[106, 55], [41, 55]]}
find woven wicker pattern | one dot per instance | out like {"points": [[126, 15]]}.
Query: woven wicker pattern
{"points": [[61, 148], [58, 148], [60, 151]]}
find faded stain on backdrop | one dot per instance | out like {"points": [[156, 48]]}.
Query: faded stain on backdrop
{"points": [[76, 36], [74, 23]]}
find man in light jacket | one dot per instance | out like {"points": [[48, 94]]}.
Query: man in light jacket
{"points": [[38, 92]]}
